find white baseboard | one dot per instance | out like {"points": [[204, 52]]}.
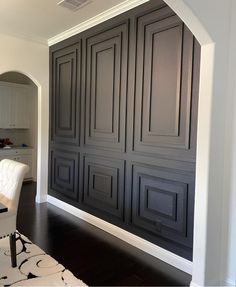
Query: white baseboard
{"points": [[192, 284], [226, 282], [146, 246], [229, 282], [41, 199]]}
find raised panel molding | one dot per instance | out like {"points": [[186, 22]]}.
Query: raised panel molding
{"points": [[163, 84], [104, 185], [123, 99], [162, 203], [162, 103], [106, 88], [66, 65], [64, 173]]}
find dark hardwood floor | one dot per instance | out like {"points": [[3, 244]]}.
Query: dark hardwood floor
{"points": [[94, 256]]}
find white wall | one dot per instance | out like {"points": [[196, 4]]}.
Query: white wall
{"points": [[33, 131], [32, 59], [229, 211]]}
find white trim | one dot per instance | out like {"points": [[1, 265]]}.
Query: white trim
{"points": [[192, 284], [229, 282], [108, 14], [226, 282], [146, 246], [41, 199]]}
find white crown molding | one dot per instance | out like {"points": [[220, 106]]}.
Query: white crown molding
{"points": [[108, 14], [138, 242]]}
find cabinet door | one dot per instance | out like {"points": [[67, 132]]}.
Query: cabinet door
{"points": [[26, 159], [14, 107], [20, 108], [5, 107], [7, 157]]}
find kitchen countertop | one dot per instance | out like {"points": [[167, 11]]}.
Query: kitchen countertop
{"points": [[15, 147]]}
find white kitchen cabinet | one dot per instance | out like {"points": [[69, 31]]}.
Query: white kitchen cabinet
{"points": [[5, 107], [26, 159], [20, 155], [14, 106], [20, 113]]}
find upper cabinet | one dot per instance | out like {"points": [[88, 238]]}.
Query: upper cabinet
{"points": [[14, 106]]}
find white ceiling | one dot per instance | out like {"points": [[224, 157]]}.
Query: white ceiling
{"points": [[40, 20]]}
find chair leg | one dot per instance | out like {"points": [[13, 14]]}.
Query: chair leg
{"points": [[13, 249]]}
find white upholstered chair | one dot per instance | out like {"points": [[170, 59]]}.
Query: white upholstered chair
{"points": [[11, 177]]}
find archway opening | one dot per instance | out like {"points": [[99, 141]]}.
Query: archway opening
{"points": [[19, 123]]}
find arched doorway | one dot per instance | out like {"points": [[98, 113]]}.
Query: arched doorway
{"points": [[26, 136]]}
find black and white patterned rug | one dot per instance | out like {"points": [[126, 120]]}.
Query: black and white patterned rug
{"points": [[34, 267]]}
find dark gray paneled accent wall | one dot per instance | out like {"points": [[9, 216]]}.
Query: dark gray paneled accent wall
{"points": [[123, 104]]}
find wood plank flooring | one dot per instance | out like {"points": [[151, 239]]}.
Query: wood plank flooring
{"points": [[94, 256]]}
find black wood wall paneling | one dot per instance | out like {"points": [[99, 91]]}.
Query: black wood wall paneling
{"points": [[123, 105]]}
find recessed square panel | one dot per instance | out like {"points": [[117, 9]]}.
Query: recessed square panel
{"points": [[64, 173], [104, 185], [161, 200]]}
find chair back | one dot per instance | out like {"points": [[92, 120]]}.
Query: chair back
{"points": [[11, 177]]}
